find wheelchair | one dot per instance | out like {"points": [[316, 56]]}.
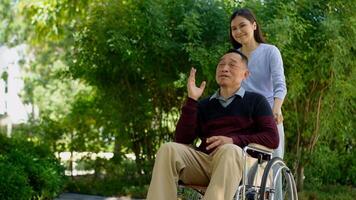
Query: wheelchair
{"points": [[253, 186]]}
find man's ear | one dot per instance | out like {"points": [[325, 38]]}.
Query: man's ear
{"points": [[247, 73]]}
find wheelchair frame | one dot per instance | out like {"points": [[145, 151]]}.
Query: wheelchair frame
{"points": [[247, 190]]}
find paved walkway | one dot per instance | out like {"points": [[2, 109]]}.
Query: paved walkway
{"points": [[74, 196]]}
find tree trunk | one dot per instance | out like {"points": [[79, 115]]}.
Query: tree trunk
{"points": [[117, 150], [71, 164], [300, 177]]}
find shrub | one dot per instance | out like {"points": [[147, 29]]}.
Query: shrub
{"points": [[330, 167], [119, 179], [30, 170], [13, 182]]}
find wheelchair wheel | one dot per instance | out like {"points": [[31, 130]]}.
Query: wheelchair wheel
{"points": [[276, 168], [251, 176]]}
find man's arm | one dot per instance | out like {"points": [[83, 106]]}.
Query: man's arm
{"points": [[186, 130], [187, 123]]}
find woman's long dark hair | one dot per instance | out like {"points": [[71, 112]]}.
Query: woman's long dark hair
{"points": [[247, 14]]}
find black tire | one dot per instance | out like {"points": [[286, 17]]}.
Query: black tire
{"points": [[289, 191]]}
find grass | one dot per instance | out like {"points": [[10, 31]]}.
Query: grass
{"points": [[119, 187], [330, 192], [105, 187]]}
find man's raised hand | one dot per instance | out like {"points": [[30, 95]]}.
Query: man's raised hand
{"points": [[194, 92]]}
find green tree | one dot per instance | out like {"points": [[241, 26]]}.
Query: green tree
{"points": [[316, 41], [137, 55]]}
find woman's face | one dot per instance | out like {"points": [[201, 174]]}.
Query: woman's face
{"points": [[242, 30]]}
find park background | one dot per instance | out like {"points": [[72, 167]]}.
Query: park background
{"points": [[106, 78]]}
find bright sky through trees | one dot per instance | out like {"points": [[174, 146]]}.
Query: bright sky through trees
{"points": [[10, 101]]}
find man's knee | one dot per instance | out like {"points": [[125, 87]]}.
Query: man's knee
{"points": [[168, 148]]}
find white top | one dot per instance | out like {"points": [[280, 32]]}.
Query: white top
{"points": [[266, 73]]}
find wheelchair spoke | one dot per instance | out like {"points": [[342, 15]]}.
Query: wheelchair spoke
{"points": [[280, 173]]}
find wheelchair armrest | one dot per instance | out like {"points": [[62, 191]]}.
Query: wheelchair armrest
{"points": [[259, 147], [257, 150]]}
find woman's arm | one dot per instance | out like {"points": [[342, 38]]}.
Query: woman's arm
{"points": [[279, 83], [276, 110]]}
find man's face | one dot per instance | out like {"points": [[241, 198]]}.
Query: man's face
{"points": [[231, 70]]}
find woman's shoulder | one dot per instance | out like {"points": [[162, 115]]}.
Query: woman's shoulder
{"points": [[270, 47]]}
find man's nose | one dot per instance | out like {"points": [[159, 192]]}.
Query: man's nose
{"points": [[224, 68]]}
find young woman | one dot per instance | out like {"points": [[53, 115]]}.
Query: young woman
{"points": [[265, 66]]}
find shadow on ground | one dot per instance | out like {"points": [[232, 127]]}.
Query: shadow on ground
{"points": [[74, 196]]}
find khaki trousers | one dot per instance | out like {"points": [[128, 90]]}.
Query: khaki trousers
{"points": [[221, 172]]}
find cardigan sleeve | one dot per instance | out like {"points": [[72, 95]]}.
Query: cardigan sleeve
{"points": [[277, 72], [186, 129]]}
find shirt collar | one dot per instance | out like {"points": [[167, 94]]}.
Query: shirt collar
{"points": [[240, 92]]}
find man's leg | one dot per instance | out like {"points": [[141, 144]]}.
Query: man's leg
{"points": [[176, 161], [227, 166]]}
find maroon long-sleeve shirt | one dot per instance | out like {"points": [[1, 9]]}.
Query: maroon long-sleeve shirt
{"points": [[247, 119]]}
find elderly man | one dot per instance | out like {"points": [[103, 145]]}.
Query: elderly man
{"points": [[225, 122]]}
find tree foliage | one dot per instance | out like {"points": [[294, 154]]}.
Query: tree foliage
{"points": [[319, 56], [135, 55]]}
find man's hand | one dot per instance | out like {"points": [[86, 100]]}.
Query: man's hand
{"points": [[217, 141], [194, 92]]}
